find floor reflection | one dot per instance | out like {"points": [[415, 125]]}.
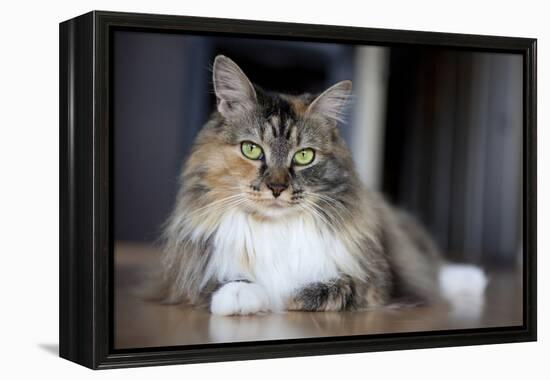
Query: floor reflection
{"points": [[140, 323]]}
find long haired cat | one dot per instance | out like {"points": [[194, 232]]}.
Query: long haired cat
{"points": [[272, 216]]}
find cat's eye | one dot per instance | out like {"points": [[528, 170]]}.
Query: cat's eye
{"points": [[251, 151], [304, 156]]}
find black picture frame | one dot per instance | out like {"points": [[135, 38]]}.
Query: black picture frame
{"points": [[86, 179]]}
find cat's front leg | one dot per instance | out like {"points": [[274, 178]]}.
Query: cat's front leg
{"points": [[239, 298], [339, 294]]}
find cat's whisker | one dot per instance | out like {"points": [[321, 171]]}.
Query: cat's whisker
{"points": [[340, 218], [215, 203], [310, 209], [213, 211], [330, 202], [334, 211], [312, 203], [222, 206]]}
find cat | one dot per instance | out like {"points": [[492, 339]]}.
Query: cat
{"points": [[271, 215]]}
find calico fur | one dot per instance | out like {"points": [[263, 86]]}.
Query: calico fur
{"points": [[324, 243]]}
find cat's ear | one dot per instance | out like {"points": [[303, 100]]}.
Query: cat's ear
{"points": [[330, 105], [234, 92]]}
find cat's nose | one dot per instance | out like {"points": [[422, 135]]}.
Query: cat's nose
{"points": [[277, 188]]}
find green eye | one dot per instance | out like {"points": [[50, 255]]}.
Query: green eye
{"points": [[251, 150], [304, 156]]}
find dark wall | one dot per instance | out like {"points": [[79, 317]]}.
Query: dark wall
{"points": [[149, 120], [453, 148]]}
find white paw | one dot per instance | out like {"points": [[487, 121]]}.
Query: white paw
{"points": [[239, 298]]}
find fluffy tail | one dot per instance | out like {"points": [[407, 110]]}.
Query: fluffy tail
{"points": [[463, 286]]}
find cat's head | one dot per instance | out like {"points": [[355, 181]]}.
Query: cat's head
{"points": [[275, 154]]}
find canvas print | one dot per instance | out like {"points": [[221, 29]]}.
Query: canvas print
{"points": [[274, 189]]}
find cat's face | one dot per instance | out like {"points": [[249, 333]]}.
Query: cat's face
{"points": [[274, 154]]}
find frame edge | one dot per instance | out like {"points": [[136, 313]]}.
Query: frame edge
{"points": [[76, 256]]}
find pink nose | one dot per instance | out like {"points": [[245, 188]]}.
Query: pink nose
{"points": [[277, 188]]}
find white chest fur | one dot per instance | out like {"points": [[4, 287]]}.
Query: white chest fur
{"points": [[280, 256]]}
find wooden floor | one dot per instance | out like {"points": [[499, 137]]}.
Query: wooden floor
{"points": [[140, 323]]}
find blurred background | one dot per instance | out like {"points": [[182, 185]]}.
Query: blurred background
{"points": [[439, 132]]}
